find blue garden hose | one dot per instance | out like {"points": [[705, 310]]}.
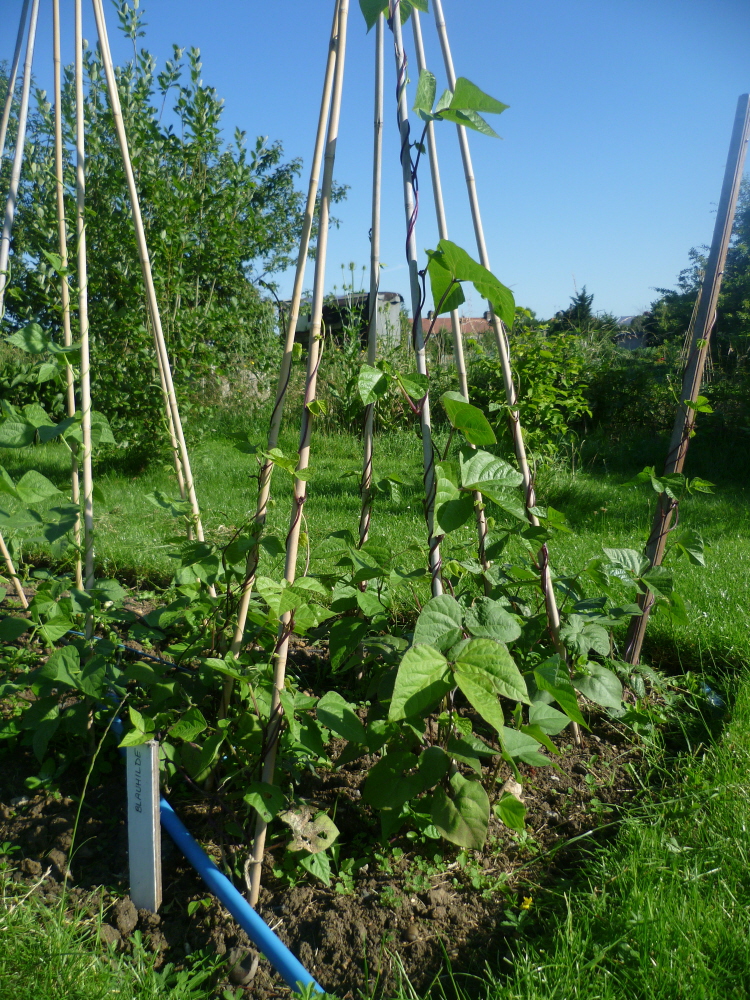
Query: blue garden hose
{"points": [[289, 968]]}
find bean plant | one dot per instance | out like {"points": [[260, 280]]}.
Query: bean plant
{"points": [[444, 704]]}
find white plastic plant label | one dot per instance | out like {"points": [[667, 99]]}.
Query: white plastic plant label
{"points": [[144, 826]]}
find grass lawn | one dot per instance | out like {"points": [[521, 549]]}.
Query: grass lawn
{"points": [[603, 508]]}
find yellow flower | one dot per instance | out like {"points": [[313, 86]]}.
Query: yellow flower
{"points": [[526, 904]]}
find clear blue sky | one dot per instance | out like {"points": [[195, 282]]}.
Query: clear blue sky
{"points": [[613, 147]]}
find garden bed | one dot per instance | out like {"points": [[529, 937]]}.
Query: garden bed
{"points": [[399, 908]]}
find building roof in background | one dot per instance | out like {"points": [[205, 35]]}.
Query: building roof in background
{"points": [[471, 326]]}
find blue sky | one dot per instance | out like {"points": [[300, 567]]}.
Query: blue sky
{"points": [[613, 147]]}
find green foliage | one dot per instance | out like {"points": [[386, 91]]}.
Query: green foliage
{"points": [[474, 677], [449, 266], [372, 9], [552, 376], [460, 106]]}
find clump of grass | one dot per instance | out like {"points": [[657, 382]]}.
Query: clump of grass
{"points": [[48, 953]]}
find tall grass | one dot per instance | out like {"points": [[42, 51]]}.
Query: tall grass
{"points": [[48, 952]]}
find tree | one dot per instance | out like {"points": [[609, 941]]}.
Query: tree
{"points": [[220, 221], [580, 318]]}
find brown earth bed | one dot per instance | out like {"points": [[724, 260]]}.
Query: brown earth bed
{"points": [[402, 913]]}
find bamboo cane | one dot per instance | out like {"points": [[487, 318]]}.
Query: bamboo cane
{"points": [[15, 173], [553, 614], [372, 329], [693, 375], [410, 209], [165, 370], [12, 78], [458, 344], [8, 559], [173, 442], [264, 479], [300, 486], [75, 490], [10, 209], [83, 317]]}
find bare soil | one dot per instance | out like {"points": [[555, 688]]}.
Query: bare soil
{"points": [[395, 914]]}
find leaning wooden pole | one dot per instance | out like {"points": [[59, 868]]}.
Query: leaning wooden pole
{"points": [[372, 327], [83, 316], [174, 443], [62, 236], [553, 614], [13, 576], [410, 209], [458, 342], [264, 479], [693, 375], [12, 78], [10, 208], [15, 173], [165, 369], [300, 486]]}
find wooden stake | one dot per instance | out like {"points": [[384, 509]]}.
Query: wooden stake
{"points": [[458, 343], [372, 329], [553, 615], [165, 369], [300, 486], [83, 318], [12, 572], [10, 208], [264, 479], [428, 452], [15, 174], [693, 375], [62, 236], [12, 78]]}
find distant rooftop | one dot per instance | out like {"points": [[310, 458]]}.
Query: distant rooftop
{"points": [[471, 326]]}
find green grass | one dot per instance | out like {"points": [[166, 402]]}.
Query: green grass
{"points": [[50, 953], [603, 508], [660, 913]]}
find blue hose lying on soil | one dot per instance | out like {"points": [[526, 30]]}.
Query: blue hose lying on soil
{"points": [[291, 970]]}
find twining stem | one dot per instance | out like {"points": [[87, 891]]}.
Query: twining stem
{"points": [[553, 615], [411, 210], [458, 345], [62, 236], [264, 479], [83, 319], [300, 485], [372, 330]]}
